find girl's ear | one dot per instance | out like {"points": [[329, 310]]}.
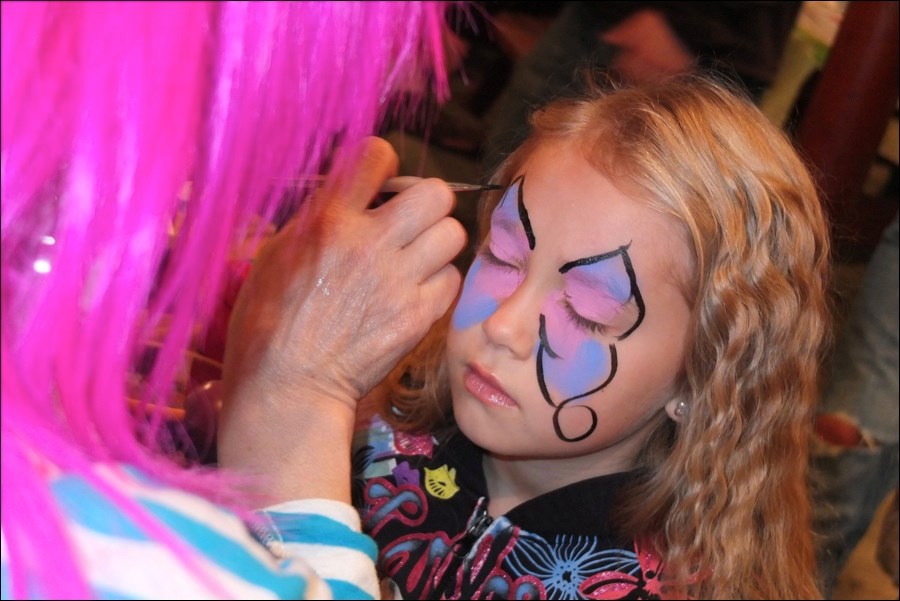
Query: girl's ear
{"points": [[677, 409]]}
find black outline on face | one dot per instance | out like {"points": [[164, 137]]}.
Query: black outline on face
{"points": [[635, 291], [544, 344], [523, 212], [614, 364]]}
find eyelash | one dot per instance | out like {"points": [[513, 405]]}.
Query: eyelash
{"points": [[491, 258], [587, 324], [582, 322]]}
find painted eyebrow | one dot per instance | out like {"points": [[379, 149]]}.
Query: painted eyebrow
{"points": [[622, 250], [507, 240], [523, 212], [629, 269]]}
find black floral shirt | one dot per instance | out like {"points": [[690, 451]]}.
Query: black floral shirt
{"points": [[425, 504]]}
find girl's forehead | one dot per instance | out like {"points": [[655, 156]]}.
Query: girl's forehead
{"points": [[575, 211], [573, 204]]}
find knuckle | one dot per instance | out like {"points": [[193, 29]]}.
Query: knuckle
{"points": [[457, 233], [441, 194], [378, 151]]}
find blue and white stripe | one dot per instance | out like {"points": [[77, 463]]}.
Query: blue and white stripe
{"points": [[314, 548]]}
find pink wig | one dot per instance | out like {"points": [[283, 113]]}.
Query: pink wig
{"points": [[108, 110]]}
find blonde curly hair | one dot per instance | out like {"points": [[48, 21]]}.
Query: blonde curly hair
{"points": [[723, 492]]}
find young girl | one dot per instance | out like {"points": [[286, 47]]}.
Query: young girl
{"points": [[620, 403]]}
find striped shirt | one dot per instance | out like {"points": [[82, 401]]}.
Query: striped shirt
{"points": [[313, 548]]}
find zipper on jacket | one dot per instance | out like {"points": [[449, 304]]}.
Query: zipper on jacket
{"points": [[478, 525]]}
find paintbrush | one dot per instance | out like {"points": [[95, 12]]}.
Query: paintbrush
{"points": [[395, 185]]}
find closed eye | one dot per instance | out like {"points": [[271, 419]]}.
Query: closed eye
{"points": [[581, 321], [492, 259]]}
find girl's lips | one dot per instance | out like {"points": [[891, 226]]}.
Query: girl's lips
{"points": [[485, 388]]}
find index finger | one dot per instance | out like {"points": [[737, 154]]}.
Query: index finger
{"points": [[359, 171], [415, 210]]}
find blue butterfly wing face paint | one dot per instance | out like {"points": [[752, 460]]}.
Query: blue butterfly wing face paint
{"points": [[476, 303], [574, 363], [599, 303], [489, 282]]}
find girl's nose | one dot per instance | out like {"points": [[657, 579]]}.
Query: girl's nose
{"points": [[515, 324]]}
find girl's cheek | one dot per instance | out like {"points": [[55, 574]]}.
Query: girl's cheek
{"points": [[579, 363], [485, 287], [584, 371]]}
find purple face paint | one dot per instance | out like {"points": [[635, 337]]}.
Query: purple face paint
{"points": [[576, 362], [597, 292], [603, 289], [497, 272], [599, 299], [481, 295], [510, 240]]}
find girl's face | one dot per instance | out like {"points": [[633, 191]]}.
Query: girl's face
{"points": [[571, 327]]}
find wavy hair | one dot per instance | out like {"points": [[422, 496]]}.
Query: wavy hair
{"points": [[724, 492], [108, 111]]}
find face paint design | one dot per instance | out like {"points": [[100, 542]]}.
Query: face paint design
{"points": [[494, 276], [599, 301]]}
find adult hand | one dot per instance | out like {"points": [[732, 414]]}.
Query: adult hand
{"points": [[648, 48], [331, 305]]}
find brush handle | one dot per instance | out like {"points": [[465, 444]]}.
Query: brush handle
{"points": [[393, 185]]}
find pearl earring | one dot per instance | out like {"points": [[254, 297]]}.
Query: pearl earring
{"points": [[681, 409]]}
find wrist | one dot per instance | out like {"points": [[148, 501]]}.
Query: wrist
{"points": [[292, 445]]}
